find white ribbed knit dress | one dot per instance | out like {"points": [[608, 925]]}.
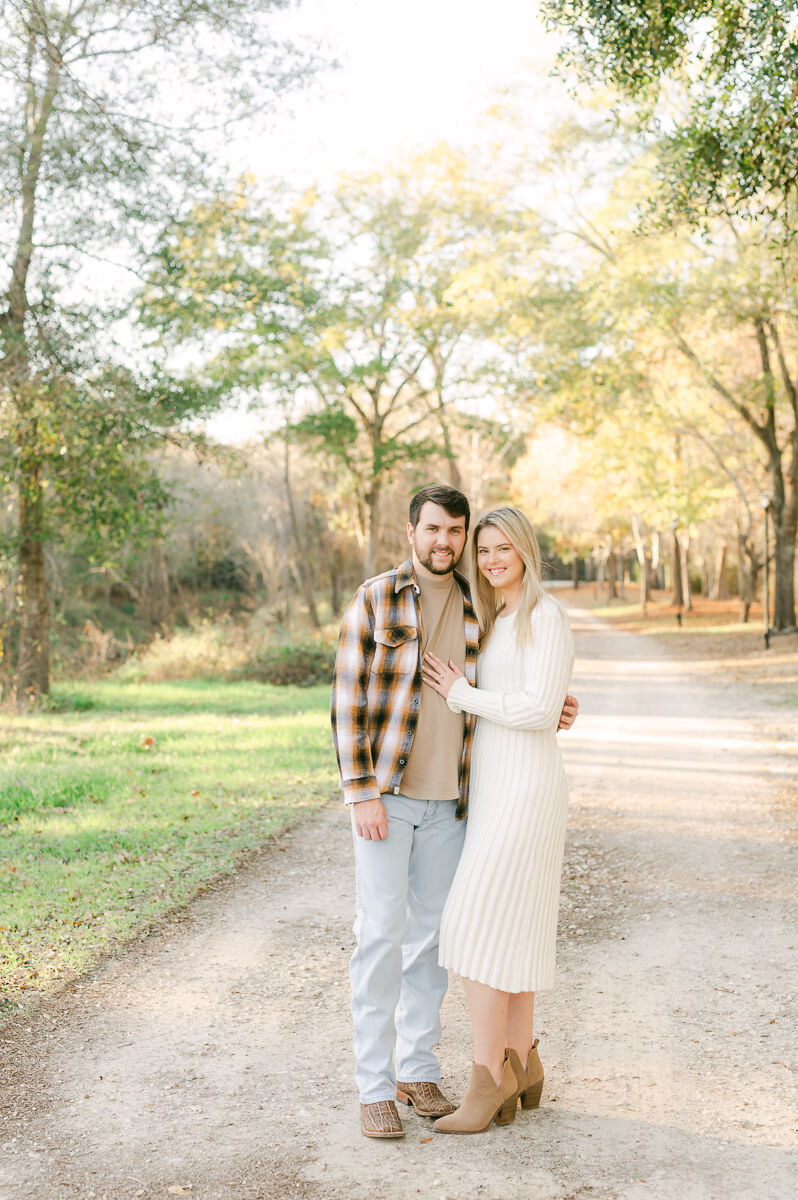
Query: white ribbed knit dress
{"points": [[499, 925]]}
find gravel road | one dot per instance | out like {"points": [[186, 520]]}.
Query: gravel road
{"points": [[212, 1059]]}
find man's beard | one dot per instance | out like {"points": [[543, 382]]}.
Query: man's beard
{"points": [[429, 563]]}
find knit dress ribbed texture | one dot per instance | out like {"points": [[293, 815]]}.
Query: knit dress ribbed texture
{"points": [[499, 925]]}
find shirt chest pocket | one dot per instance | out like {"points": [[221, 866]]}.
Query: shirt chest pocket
{"points": [[396, 648]]}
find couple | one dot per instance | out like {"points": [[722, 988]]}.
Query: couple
{"points": [[420, 657]]}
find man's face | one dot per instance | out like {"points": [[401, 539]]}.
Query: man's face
{"points": [[438, 540]]}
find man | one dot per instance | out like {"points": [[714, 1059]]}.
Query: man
{"points": [[404, 763]]}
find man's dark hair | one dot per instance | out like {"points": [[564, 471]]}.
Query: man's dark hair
{"points": [[454, 502]]}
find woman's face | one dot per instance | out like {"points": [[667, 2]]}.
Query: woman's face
{"points": [[498, 560]]}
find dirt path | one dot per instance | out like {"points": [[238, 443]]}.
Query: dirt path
{"points": [[213, 1060]]}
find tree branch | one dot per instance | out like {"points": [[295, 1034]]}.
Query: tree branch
{"points": [[701, 437], [767, 372], [789, 386], [30, 166], [761, 431]]}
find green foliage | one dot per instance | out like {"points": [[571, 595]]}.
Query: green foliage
{"points": [[332, 425], [120, 805], [226, 650], [734, 66], [664, 357], [367, 316], [301, 661], [92, 438], [92, 158]]}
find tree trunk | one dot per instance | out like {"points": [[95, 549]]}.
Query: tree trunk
{"points": [[687, 591], [643, 561], [748, 566], [372, 531], [785, 492], [335, 590], [645, 592], [720, 586], [677, 596], [300, 569], [612, 576], [455, 478], [784, 504], [285, 604], [34, 647], [156, 598], [34, 637], [784, 531], [575, 570]]}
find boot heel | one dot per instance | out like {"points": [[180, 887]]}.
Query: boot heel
{"points": [[403, 1098], [506, 1114], [531, 1097]]}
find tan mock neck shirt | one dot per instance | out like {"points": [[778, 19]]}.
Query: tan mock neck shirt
{"points": [[433, 765]]}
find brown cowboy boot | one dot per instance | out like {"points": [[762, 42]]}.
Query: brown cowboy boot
{"points": [[427, 1099], [380, 1120]]}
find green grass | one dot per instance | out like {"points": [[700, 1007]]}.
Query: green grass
{"points": [[121, 800]]}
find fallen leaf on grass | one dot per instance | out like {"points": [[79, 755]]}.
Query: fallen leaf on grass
{"points": [[178, 1189], [429, 1139]]}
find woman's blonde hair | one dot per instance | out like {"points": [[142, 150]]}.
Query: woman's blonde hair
{"points": [[512, 523]]}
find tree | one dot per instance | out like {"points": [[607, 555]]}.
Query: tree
{"points": [[238, 532], [557, 486], [371, 311], [693, 333], [90, 157], [733, 145]]}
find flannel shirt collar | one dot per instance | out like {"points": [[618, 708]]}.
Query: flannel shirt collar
{"points": [[405, 575]]}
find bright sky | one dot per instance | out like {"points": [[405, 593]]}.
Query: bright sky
{"points": [[412, 72]]}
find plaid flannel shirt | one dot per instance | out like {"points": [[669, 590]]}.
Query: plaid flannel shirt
{"points": [[376, 693]]}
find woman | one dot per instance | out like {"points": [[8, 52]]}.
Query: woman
{"points": [[500, 922]]}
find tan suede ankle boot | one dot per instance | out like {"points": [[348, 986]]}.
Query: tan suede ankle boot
{"points": [[506, 1114], [530, 1078], [482, 1101], [530, 1096]]}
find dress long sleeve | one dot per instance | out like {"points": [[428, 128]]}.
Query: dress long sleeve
{"points": [[548, 662], [499, 925]]}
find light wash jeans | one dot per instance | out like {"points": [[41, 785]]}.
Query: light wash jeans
{"points": [[397, 986]]}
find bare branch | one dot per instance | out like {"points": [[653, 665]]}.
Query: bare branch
{"points": [[760, 430], [710, 445], [789, 385]]}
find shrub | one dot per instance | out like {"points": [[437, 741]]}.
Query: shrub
{"points": [[304, 662], [228, 651], [207, 652]]}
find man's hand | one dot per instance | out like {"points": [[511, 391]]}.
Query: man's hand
{"points": [[371, 819], [569, 711]]}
